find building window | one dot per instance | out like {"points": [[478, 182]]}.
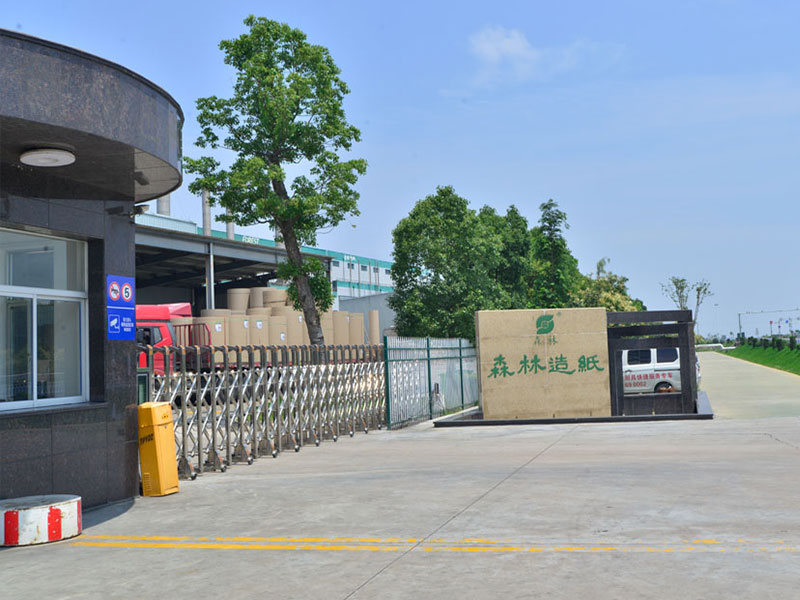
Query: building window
{"points": [[334, 263], [387, 271], [43, 321], [363, 267], [349, 265], [375, 269]]}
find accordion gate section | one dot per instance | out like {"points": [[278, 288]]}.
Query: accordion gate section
{"points": [[235, 404]]}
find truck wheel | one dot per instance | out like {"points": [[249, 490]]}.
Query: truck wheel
{"points": [[664, 387]]}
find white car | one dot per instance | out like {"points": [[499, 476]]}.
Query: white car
{"points": [[652, 370]]}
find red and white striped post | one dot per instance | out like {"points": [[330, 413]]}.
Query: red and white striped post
{"points": [[39, 519]]}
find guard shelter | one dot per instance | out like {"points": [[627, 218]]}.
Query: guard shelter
{"points": [[82, 142]]}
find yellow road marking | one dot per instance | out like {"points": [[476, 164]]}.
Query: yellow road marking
{"points": [[217, 546], [467, 545]]}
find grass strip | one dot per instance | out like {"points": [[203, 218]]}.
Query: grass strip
{"points": [[785, 360]]}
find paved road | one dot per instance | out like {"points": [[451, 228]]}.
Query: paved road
{"points": [[739, 389], [703, 509]]}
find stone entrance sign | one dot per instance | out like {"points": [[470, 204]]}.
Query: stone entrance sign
{"points": [[543, 363]]}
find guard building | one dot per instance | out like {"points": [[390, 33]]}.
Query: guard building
{"points": [[82, 142]]}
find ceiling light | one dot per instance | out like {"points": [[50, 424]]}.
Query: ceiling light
{"points": [[47, 157]]}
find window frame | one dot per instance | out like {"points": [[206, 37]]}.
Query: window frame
{"points": [[35, 294], [637, 354], [667, 362]]}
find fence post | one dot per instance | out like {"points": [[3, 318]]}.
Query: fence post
{"points": [[430, 386], [461, 373], [386, 382]]}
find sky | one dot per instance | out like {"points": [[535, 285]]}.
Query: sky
{"points": [[669, 132]]}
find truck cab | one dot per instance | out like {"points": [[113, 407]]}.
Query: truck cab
{"points": [[154, 329], [156, 326]]}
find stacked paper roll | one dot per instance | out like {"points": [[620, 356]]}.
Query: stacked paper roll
{"points": [[273, 297], [295, 326], [341, 328], [326, 320], [356, 329], [374, 328], [257, 297], [238, 298], [277, 330]]}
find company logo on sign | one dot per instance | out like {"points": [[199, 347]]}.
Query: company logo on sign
{"points": [[544, 324]]}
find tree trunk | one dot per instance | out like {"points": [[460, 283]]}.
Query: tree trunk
{"points": [[303, 288]]}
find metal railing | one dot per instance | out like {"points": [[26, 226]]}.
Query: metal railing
{"points": [[427, 378], [253, 401]]}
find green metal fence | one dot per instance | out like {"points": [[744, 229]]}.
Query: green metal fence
{"points": [[427, 378]]}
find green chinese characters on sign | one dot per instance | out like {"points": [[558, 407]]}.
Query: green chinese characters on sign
{"points": [[555, 364], [540, 340], [589, 363], [500, 368], [559, 364], [533, 365]]}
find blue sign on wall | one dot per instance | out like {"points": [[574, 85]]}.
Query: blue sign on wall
{"points": [[120, 307]]}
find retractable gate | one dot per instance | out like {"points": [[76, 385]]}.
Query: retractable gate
{"points": [[236, 403]]}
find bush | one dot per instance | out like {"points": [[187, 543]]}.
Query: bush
{"points": [[792, 342], [777, 343], [765, 343]]}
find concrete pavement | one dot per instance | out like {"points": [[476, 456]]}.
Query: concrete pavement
{"points": [[690, 509], [648, 510], [743, 390]]}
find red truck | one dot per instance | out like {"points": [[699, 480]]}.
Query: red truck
{"points": [[154, 327]]}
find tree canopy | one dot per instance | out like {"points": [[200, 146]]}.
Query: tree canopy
{"points": [[286, 109], [445, 265], [678, 289], [451, 261], [606, 289], [553, 270]]}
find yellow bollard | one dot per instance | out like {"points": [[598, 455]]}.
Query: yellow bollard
{"points": [[157, 449]]}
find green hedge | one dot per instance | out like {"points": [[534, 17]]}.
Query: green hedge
{"points": [[785, 359]]}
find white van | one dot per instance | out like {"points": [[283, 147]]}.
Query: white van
{"points": [[652, 370]]}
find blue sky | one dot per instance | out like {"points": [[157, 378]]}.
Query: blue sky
{"points": [[669, 132]]}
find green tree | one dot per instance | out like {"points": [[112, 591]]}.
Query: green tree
{"points": [[286, 109], [445, 259], [605, 289], [553, 271], [678, 289], [512, 230]]}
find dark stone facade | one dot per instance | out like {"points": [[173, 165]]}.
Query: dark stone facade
{"points": [[87, 449], [124, 131]]}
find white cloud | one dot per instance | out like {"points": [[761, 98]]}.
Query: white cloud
{"points": [[506, 56], [503, 52]]}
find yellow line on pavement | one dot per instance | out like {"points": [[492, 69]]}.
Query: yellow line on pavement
{"points": [[378, 545], [217, 546]]}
